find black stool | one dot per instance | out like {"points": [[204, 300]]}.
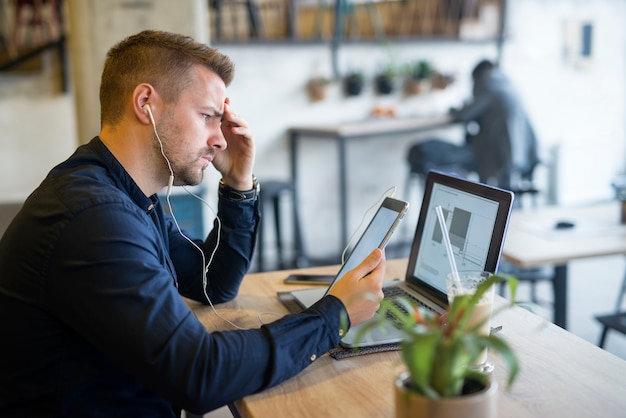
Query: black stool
{"points": [[271, 193]]}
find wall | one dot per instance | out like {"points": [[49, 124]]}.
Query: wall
{"points": [[580, 106], [37, 127], [581, 109]]}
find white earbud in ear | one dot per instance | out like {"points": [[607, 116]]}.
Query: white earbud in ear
{"points": [[170, 182], [146, 107]]}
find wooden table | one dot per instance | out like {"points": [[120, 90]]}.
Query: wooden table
{"points": [[532, 241], [341, 133], [561, 374]]}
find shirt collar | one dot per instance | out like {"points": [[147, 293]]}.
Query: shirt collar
{"points": [[124, 180]]}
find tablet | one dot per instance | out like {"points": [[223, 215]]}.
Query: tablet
{"points": [[376, 235]]}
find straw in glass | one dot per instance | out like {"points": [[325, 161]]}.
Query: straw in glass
{"points": [[448, 245]]}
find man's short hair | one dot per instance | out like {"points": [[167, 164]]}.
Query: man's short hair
{"points": [[162, 59]]}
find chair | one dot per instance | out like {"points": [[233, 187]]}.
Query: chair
{"points": [[271, 196], [522, 185], [531, 276], [187, 211], [436, 154], [614, 321]]}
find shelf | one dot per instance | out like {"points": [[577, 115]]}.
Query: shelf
{"points": [[24, 56]]}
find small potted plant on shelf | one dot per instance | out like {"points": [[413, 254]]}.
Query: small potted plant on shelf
{"points": [[316, 88], [441, 81], [353, 83], [437, 352], [418, 77], [384, 80]]}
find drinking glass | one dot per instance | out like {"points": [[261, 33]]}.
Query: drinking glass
{"points": [[467, 283]]}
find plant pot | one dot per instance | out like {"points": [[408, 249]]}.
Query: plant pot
{"points": [[413, 86], [440, 81], [479, 404], [384, 84], [316, 90], [352, 85]]}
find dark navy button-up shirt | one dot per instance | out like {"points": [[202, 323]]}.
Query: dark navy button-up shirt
{"points": [[91, 318]]}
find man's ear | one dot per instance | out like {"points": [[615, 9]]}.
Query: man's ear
{"points": [[145, 103]]}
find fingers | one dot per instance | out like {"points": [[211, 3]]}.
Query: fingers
{"points": [[236, 162], [361, 288], [373, 273], [372, 268], [373, 262], [233, 125], [233, 118]]}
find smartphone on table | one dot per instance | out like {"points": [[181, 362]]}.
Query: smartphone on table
{"points": [[309, 278]]}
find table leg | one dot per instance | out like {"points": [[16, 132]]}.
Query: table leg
{"points": [[293, 142], [343, 191], [343, 181], [560, 295]]}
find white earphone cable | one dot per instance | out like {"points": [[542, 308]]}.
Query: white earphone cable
{"points": [[387, 193], [205, 265]]}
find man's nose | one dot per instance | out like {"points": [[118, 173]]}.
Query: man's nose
{"points": [[217, 140]]}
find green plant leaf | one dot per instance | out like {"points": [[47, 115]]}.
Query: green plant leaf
{"points": [[438, 349], [418, 353], [499, 346]]}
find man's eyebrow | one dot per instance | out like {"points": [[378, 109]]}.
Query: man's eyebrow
{"points": [[213, 112]]}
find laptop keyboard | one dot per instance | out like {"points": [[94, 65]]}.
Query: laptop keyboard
{"points": [[393, 292]]}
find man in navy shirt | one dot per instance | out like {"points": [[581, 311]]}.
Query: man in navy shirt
{"points": [[91, 269]]}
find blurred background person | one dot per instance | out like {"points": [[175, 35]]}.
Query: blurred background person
{"points": [[500, 136]]}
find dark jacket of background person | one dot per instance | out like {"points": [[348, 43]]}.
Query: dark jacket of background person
{"points": [[506, 140]]}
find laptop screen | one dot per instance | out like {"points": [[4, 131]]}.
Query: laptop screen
{"points": [[476, 218]]}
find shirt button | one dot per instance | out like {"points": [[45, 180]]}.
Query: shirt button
{"points": [[313, 357]]}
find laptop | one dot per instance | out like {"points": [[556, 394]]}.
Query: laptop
{"points": [[477, 217]]}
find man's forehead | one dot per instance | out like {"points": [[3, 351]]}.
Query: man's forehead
{"points": [[209, 90]]}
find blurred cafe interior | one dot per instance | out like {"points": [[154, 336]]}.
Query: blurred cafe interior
{"points": [[565, 58]]}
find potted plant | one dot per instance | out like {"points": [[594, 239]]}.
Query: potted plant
{"points": [[441, 81], [316, 88], [437, 351], [383, 81], [418, 77], [353, 83]]}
